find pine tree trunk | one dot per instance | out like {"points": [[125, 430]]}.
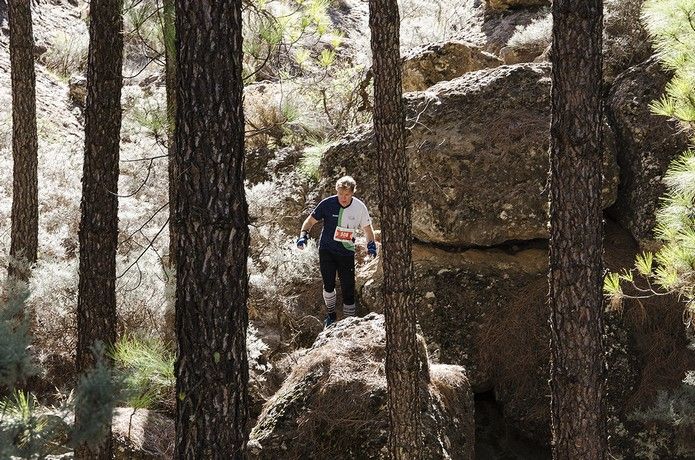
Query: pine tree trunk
{"points": [[402, 364], [170, 69], [212, 231], [98, 235], [25, 207], [577, 353]]}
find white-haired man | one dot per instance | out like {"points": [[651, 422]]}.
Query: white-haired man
{"points": [[342, 215]]}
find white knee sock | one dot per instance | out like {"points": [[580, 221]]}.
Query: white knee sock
{"points": [[349, 310]]}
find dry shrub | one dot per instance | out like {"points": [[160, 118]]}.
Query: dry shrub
{"points": [[266, 122]]}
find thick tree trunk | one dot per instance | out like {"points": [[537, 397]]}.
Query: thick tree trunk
{"points": [[25, 206], [577, 353], [212, 229], [96, 301], [402, 364]]}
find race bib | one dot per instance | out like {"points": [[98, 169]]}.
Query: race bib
{"points": [[344, 235]]}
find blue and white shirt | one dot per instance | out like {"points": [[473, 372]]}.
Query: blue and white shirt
{"points": [[340, 224]]}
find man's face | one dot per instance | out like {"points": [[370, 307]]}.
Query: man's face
{"points": [[344, 196]]}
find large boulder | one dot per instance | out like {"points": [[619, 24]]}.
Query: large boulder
{"points": [[455, 291], [646, 144], [502, 27], [333, 404], [478, 156], [424, 66], [487, 310]]}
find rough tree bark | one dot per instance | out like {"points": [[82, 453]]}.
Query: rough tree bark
{"points": [[98, 235], [402, 364], [577, 353], [212, 233], [25, 205]]}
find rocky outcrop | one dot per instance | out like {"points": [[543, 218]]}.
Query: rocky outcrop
{"points": [[646, 144], [626, 42], [478, 156], [487, 310], [333, 404], [427, 65], [534, 52]]}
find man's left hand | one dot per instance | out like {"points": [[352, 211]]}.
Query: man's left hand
{"points": [[371, 248]]}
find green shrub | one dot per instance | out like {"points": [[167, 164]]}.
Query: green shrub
{"points": [[311, 160], [146, 368]]}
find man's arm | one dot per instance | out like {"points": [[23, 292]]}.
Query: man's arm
{"points": [[308, 223], [368, 232]]}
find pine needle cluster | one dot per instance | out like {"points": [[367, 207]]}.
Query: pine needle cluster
{"points": [[671, 25]]}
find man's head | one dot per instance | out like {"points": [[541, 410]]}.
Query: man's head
{"points": [[345, 186]]}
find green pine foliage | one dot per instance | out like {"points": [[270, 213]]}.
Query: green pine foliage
{"points": [[146, 368], [15, 360], [671, 24], [28, 430], [96, 396]]}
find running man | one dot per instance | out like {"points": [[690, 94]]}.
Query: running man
{"points": [[342, 216]]}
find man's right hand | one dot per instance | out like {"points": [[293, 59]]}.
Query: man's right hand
{"points": [[303, 238], [301, 241]]}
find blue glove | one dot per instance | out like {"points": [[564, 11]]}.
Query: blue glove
{"points": [[371, 248], [301, 241]]}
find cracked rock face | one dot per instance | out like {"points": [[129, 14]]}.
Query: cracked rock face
{"points": [[647, 143], [478, 156]]}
